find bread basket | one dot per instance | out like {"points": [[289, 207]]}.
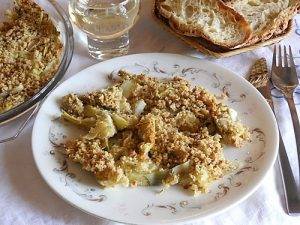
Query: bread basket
{"points": [[205, 47]]}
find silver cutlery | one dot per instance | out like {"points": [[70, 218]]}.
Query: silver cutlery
{"points": [[284, 78], [259, 78]]}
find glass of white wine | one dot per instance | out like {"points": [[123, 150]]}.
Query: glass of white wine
{"points": [[106, 23]]}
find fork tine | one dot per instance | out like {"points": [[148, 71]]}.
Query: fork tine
{"points": [[279, 57], [291, 57], [274, 57], [285, 57], [293, 67]]}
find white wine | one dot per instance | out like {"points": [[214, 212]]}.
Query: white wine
{"points": [[104, 19]]}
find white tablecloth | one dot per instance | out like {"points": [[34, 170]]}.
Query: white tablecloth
{"points": [[26, 199]]}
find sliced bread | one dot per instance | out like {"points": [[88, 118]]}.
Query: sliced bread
{"points": [[209, 19], [266, 17], [206, 47]]}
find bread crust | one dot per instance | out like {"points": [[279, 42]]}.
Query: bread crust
{"points": [[183, 28]]}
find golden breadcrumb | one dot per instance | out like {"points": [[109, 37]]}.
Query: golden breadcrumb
{"points": [[30, 51], [147, 131]]}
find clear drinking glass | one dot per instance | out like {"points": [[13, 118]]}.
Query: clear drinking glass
{"points": [[106, 23]]}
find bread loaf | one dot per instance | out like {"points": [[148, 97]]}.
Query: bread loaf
{"points": [[209, 19]]}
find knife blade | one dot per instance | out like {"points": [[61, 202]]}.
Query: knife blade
{"points": [[260, 79]]}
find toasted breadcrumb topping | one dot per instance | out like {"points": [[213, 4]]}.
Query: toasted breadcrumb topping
{"points": [[30, 51], [160, 132]]}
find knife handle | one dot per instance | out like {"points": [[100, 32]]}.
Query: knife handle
{"points": [[292, 197], [289, 184]]}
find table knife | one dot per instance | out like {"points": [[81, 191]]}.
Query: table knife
{"points": [[260, 79]]}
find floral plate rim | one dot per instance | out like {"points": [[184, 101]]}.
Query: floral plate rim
{"points": [[156, 56]]}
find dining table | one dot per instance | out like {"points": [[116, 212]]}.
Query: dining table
{"points": [[26, 199]]}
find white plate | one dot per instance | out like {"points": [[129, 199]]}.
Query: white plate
{"points": [[143, 205]]}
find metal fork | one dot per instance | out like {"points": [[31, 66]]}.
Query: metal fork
{"points": [[284, 78]]}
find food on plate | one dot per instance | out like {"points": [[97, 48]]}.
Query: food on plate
{"points": [[146, 131], [227, 24], [30, 50]]}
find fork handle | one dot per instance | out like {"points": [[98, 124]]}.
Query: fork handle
{"points": [[296, 124]]}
